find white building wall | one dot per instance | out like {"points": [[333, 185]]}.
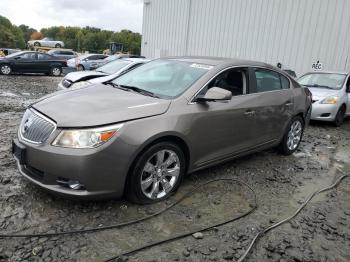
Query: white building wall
{"points": [[296, 33]]}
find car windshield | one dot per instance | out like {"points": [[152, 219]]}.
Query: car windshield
{"points": [[113, 67], [323, 80], [164, 78]]}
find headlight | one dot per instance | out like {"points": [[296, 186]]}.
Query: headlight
{"points": [[332, 100], [80, 84], [86, 138]]}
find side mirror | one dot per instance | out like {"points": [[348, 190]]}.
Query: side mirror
{"points": [[215, 94], [17, 57]]}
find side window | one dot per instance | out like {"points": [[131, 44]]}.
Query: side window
{"points": [[267, 80], [99, 57], [233, 80], [284, 82], [93, 57], [43, 57], [28, 56]]}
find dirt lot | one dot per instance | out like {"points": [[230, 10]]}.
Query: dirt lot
{"points": [[320, 233]]}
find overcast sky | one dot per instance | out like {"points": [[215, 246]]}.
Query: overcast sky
{"points": [[106, 14]]}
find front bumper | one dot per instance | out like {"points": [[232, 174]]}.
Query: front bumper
{"points": [[102, 170], [324, 112]]}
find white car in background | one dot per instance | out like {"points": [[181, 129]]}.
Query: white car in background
{"points": [[103, 74], [47, 42], [330, 95]]}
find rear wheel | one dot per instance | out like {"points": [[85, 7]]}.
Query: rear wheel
{"points": [[58, 46], [56, 71], [37, 44], [5, 69], [292, 137], [339, 118], [80, 68], [157, 174]]}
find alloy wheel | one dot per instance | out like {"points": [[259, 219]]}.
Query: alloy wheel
{"points": [[56, 71], [294, 135], [160, 174], [5, 69]]}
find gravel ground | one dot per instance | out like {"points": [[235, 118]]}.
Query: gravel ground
{"points": [[321, 232]]}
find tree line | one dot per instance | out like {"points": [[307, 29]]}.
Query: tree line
{"points": [[89, 39]]}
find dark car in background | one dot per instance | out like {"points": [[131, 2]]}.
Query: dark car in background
{"points": [[64, 54], [31, 62], [141, 133]]}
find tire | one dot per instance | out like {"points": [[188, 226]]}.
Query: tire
{"points": [[80, 68], [56, 71], [148, 171], [5, 69], [339, 118], [292, 137], [58, 46], [37, 44]]}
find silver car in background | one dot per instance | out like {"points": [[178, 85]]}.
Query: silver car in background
{"points": [[103, 74], [47, 42], [84, 62], [331, 95]]}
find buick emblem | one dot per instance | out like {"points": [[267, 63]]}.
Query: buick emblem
{"points": [[27, 124]]}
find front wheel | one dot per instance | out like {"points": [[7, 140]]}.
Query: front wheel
{"points": [[5, 69], [339, 118], [80, 68], [292, 137], [58, 46], [56, 71], [37, 44], [157, 173]]}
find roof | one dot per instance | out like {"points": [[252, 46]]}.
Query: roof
{"points": [[215, 61], [328, 72], [134, 60]]}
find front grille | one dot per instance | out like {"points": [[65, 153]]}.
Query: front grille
{"points": [[66, 83], [36, 128]]}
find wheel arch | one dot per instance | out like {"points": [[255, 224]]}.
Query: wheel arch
{"points": [[163, 137]]}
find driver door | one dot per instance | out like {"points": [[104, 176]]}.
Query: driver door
{"points": [[26, 62], [222, 129]]}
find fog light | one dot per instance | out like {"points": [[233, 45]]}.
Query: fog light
{"points": [[73, 184]]}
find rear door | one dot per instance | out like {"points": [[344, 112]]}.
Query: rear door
{"points": [[44, 62], [272, 103]]}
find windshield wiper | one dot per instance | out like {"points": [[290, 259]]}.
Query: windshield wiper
{"points": [[132, 88], [139, 90], [319, 86]]}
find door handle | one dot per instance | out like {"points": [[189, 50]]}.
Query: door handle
{"points": [[289, 103], [249, 113]]}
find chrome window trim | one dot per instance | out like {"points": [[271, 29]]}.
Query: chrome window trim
{"points": [[191, 102], [42, 116]]}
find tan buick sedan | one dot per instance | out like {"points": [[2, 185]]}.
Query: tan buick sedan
{"points": [[140, 134]]}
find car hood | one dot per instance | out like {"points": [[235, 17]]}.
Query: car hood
{"points": [[319, 93], [98, 105], [83, 75]]}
